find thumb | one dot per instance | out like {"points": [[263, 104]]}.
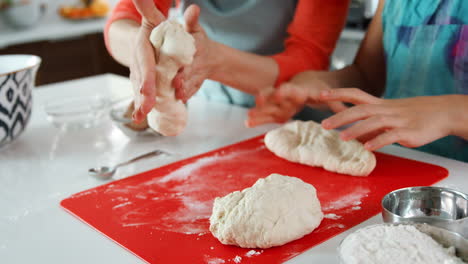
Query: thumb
{"points": [[191, 15], [149, 11]]}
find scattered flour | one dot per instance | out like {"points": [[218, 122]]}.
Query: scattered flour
{"points": [[141, 196], [237, 259], [356, 208], [252, 253], [214, 260], [184, 172], [341, 226], [352, 199], [121, 205], [394, 244], [332, 216]]}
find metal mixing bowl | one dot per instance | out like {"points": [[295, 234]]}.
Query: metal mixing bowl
{"points": [[437, 206]]}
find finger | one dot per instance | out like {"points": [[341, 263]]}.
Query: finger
{"points": [[337, 107], [369, 136], [191, 15], [135, 80], [370, 125], [391, 136], [259, 120], [292, 93], [350, 115], [260, 100], [270, 109], [178, 84], [192, 85], [148, 101], [350, 95], [148, 11], [265, 96]]}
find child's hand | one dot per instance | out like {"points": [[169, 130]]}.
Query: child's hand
{"points": [[279, 105], [412, 122]]}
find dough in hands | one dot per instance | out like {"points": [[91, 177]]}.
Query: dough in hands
{"points": [[310, 144], [175, 48], [274, 211]]}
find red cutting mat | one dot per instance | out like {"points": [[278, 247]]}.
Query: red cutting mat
{"points": [[162, 215]]}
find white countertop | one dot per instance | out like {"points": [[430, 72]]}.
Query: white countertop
{"points": [[51, 27], [46, 165]]}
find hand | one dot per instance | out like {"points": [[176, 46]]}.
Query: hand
{"points": [[190, 78], [143, 73], [282, 104], [411, 122]]}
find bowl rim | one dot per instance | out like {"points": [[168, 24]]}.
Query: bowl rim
{"points": [[36, 63], [460, 193]]}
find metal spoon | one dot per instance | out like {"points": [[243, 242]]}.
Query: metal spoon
{"points": [[105, 172]]}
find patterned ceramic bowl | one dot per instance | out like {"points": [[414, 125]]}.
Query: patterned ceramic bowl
{"points": [[17, 77]]}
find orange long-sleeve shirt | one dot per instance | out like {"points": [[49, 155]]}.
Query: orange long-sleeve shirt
{"points": [[313, 33]]}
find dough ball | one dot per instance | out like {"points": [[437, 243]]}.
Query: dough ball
{"points": [[274, 211], [175, 49], [170, 122], [171, 39], [308, 143]]}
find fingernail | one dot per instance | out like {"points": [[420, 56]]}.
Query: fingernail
{"points": [[368, 146], [326, 124], [325, 93]]}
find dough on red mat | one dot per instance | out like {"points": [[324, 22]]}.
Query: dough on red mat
{"points": [[310, 144], [274, 211]]}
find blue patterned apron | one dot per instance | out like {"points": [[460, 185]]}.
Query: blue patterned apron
{"points": [[426, 49]]}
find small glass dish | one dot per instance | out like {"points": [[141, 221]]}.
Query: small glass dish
{"points": [[77, 112], [121, 118]]}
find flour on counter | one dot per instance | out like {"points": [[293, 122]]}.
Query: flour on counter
{"points": [[186, 188], [121, 205], [252, 253], [352, 199], [185, 171], [238, 259], [341, 226], [356, 208], [214, 260], [141, 196], [332, 216], [388, 244]]}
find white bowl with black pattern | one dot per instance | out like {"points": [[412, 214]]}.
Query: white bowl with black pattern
{"points": [[17, 79]]}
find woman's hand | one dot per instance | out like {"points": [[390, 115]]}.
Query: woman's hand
{"points": [[280, 105], [143, 73], [411, 122], [189, 79]]}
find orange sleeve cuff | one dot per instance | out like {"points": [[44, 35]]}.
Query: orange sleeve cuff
{"points": [[313, 34], [125, 9], [292, 63]]}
